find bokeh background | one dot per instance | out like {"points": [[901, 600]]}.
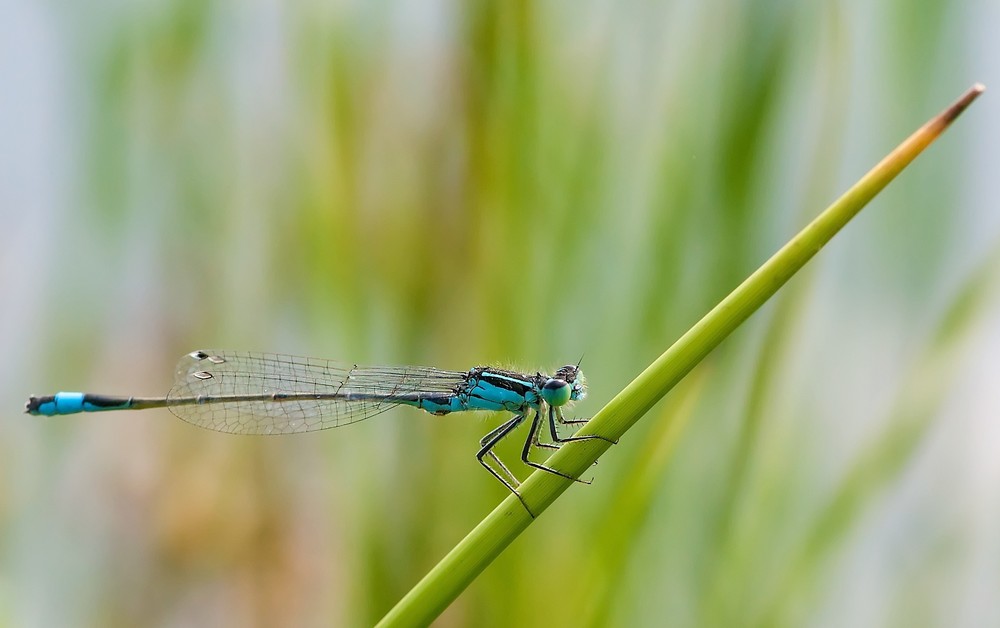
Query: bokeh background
{"points": [[456, 183]]}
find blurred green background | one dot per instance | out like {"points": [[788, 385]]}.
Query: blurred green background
{"points": [[457, 183]]}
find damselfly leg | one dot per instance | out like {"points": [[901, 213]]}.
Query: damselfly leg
{"points": [[532, 438], [556, 415], [487, 443]]}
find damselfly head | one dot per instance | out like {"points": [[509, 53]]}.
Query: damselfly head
{"points": [[568, 384], [572, 375]]}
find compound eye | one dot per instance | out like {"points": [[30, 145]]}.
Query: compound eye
{"points": [[556, 392]]}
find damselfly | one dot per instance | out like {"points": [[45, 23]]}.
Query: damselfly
{"points": [[266, 393]]}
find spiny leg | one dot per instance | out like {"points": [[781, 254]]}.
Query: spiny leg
{"points": [[555, 414], [565, 421], [532, 436], [537, 440], [492, 439], [492, 456]]}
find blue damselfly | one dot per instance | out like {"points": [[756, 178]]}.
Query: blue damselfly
{"points": [[266, 393]]}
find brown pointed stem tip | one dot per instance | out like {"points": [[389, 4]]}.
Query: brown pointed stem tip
{"points": [[952, 112]]}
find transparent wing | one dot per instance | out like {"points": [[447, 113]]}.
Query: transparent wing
{"points": [[239, 386]]}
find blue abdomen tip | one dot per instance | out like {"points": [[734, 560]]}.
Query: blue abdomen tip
{"points": [[59, 403]]}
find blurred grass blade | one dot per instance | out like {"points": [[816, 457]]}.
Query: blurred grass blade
{"points": [[623, 518], [885, 459], [484, 543]]}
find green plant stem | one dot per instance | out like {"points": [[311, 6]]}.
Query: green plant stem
{"points": [[494, 533]]}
